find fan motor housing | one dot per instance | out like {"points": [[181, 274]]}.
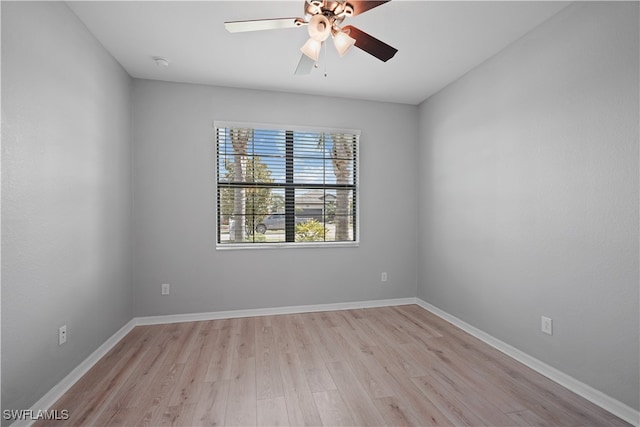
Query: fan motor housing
{"points": [[335, 10]]}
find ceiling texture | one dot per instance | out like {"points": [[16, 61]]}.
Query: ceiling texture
{"points": [[437, 42]]}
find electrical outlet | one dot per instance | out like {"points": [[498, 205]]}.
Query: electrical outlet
{"points": [[62, 334], [547, 325], [165, 288], [383, 276]]}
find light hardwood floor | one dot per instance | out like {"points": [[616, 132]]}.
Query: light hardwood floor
{"points": [[381, 366]]}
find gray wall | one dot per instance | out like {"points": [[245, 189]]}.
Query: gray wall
{"points": [[529, 196], [174, 204], [66, 197]]}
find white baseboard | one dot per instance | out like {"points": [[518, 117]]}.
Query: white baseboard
{"points": [[63, 386], [608, 403], [232, 314]]}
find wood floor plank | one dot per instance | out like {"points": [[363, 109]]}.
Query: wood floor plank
{"points": [[199, 350], [272, 412], [152, 406], [437, 326], [326, 319], [449, 405], [241, 401], [415, 405], [308, 348], [219, 367], [212, 404], [386, 330], [451, 384], [268, 377], [333, 411], [380, 366], [188, 387], [263, 320], [373, 377], [301, 406], [157, 362], [361, 407], [338, 318], [119, 418], [527, 418], [284, 341], [491, 387], [394, 411], [319, 327], [392, 349], [416, 318], [184, 352], [245, 343], [179, 415], [409, 328]]}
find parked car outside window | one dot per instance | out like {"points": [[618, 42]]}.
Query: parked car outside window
{"points": [[275, 222]]}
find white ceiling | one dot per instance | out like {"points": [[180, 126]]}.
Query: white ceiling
{"points": [[437, 42]]}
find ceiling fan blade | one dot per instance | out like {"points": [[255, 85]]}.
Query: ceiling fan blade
{"points": [[361, 6], [370, 44], [263, 24], [304, 66]]}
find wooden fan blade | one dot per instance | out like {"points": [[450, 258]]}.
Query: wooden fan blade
{"points": [[304, 66], [262, 24], [370, 44], [361, 6]]}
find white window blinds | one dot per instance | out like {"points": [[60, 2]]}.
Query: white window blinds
{"points": [[286, 186]]}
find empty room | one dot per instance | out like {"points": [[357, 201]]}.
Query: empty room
{"points": [[332, 212]]}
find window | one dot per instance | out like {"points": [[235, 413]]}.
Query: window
{"points": [[286, 186]]}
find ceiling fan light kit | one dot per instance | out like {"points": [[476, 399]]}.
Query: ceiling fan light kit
{"points": [[323, 18]]}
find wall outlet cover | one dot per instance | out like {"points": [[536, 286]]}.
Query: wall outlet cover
{"points": [[62, 334], [547, 325]]}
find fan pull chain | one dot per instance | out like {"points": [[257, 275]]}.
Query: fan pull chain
{"points": [[325, 59]]}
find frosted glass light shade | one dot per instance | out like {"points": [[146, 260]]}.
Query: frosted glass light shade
{"points": [[319, 28], [312, 48], [343, 42]]}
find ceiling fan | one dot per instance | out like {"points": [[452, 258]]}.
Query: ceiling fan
{"points": [[323, 19]]}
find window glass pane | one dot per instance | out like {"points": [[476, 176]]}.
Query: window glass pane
{"points": [[268, 150], [309, 144], [319, 219], [259, 205], [310, 215], [342, 216], [258, 158], [309, 171]]}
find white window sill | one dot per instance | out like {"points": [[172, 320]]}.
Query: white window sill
{"points": [[317, 245]]}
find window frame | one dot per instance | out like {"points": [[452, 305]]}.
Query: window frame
{"points": [[218, 124]]}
